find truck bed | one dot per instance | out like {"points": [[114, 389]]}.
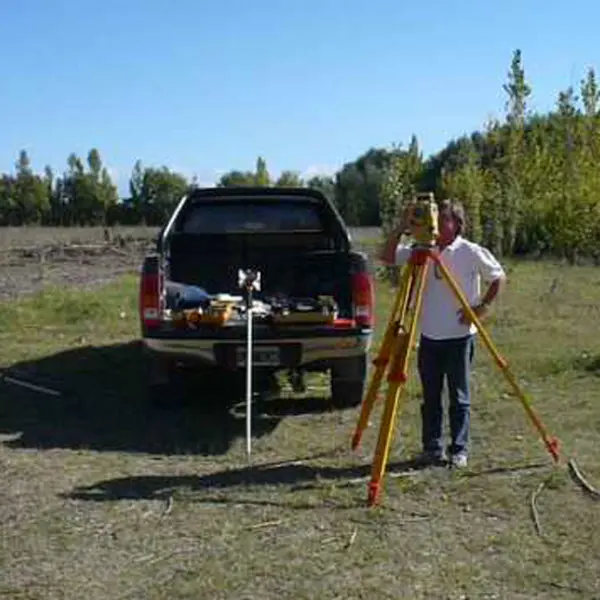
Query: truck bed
{"points": [[295, 271]]}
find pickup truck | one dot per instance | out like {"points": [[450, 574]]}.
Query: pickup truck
{"points": [[298, 242]]}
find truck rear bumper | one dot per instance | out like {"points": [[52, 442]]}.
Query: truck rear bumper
{"points": [[277, 352]]}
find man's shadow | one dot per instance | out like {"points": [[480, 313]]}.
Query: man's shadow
{"points": [[103, 405]]}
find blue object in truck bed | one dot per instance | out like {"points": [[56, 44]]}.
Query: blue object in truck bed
{"points": [[181, 296]]}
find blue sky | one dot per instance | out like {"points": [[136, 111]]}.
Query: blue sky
{"points": [[203, 87]]}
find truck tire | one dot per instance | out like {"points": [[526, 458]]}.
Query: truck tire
{"points": [[348, 379]]}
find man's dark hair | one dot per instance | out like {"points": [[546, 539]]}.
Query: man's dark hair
{"points": [[457, 210]]}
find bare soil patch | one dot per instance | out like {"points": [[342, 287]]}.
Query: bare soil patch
{"points": [[34, 258]]}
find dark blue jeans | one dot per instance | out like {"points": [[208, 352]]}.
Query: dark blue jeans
{"points": [[440, 360]]}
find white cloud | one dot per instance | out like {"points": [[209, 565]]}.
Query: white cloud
{"points": [[115, 175], [204, 177], [209, 177], [119, 179], [319, 170]]}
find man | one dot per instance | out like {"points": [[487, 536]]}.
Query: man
{"points": [[446, 342]]}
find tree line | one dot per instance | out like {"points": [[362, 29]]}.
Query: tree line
{"points": [[530, 182]]}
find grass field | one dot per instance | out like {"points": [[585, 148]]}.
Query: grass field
{"points": [[104, 497], [34, 235]]}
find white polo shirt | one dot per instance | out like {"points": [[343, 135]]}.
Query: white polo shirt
{"points": [[469, 263]]}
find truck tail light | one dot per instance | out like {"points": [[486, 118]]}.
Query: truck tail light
{"points": [[363, 298], [150, 305]]}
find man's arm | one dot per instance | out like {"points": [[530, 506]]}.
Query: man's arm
{"points": [[387, 253], [491, 270], [492, 291]]}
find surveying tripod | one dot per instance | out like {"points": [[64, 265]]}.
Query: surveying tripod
{"points": [[399, 337]]}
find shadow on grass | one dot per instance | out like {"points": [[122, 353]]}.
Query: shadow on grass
{"points": [[298, 476], [104, 407]]}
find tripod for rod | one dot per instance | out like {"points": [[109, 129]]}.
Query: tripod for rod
{"points": [[394, 355]]}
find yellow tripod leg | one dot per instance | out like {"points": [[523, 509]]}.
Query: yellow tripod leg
{"points": [[552, 443], [397, 316], [397, 378]]}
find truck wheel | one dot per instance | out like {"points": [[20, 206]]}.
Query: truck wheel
{"points": [[348, 379]]}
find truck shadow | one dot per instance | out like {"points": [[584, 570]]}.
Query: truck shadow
{"points": [[103, 406]]}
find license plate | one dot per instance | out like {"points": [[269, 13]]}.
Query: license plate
{"points": [[266, 356]]}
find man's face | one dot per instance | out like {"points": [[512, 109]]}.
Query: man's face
{"points": [[448, 226]]}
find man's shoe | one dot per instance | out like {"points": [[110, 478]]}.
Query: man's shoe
{"points": [[459, 461]]}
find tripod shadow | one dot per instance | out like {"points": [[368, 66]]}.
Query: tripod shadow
{"points": [[103, 406], [207, 487]]}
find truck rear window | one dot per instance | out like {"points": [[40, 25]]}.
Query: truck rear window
{"points": [[248, 217]]}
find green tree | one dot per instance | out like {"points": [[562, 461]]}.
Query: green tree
{"points": [[401, 178], [84, 197], [590, 95], [289, 179], [236, 178], [8, 214], [491, 206], [103, 192], [358, 185], [392, 194], [467, 184], [161, 191], [261, 176], [30, 200], [513, 200], [325, 184]]}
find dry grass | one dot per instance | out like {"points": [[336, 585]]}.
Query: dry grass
{"points": [[104, 497], [38, 236], [31, 258]]}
